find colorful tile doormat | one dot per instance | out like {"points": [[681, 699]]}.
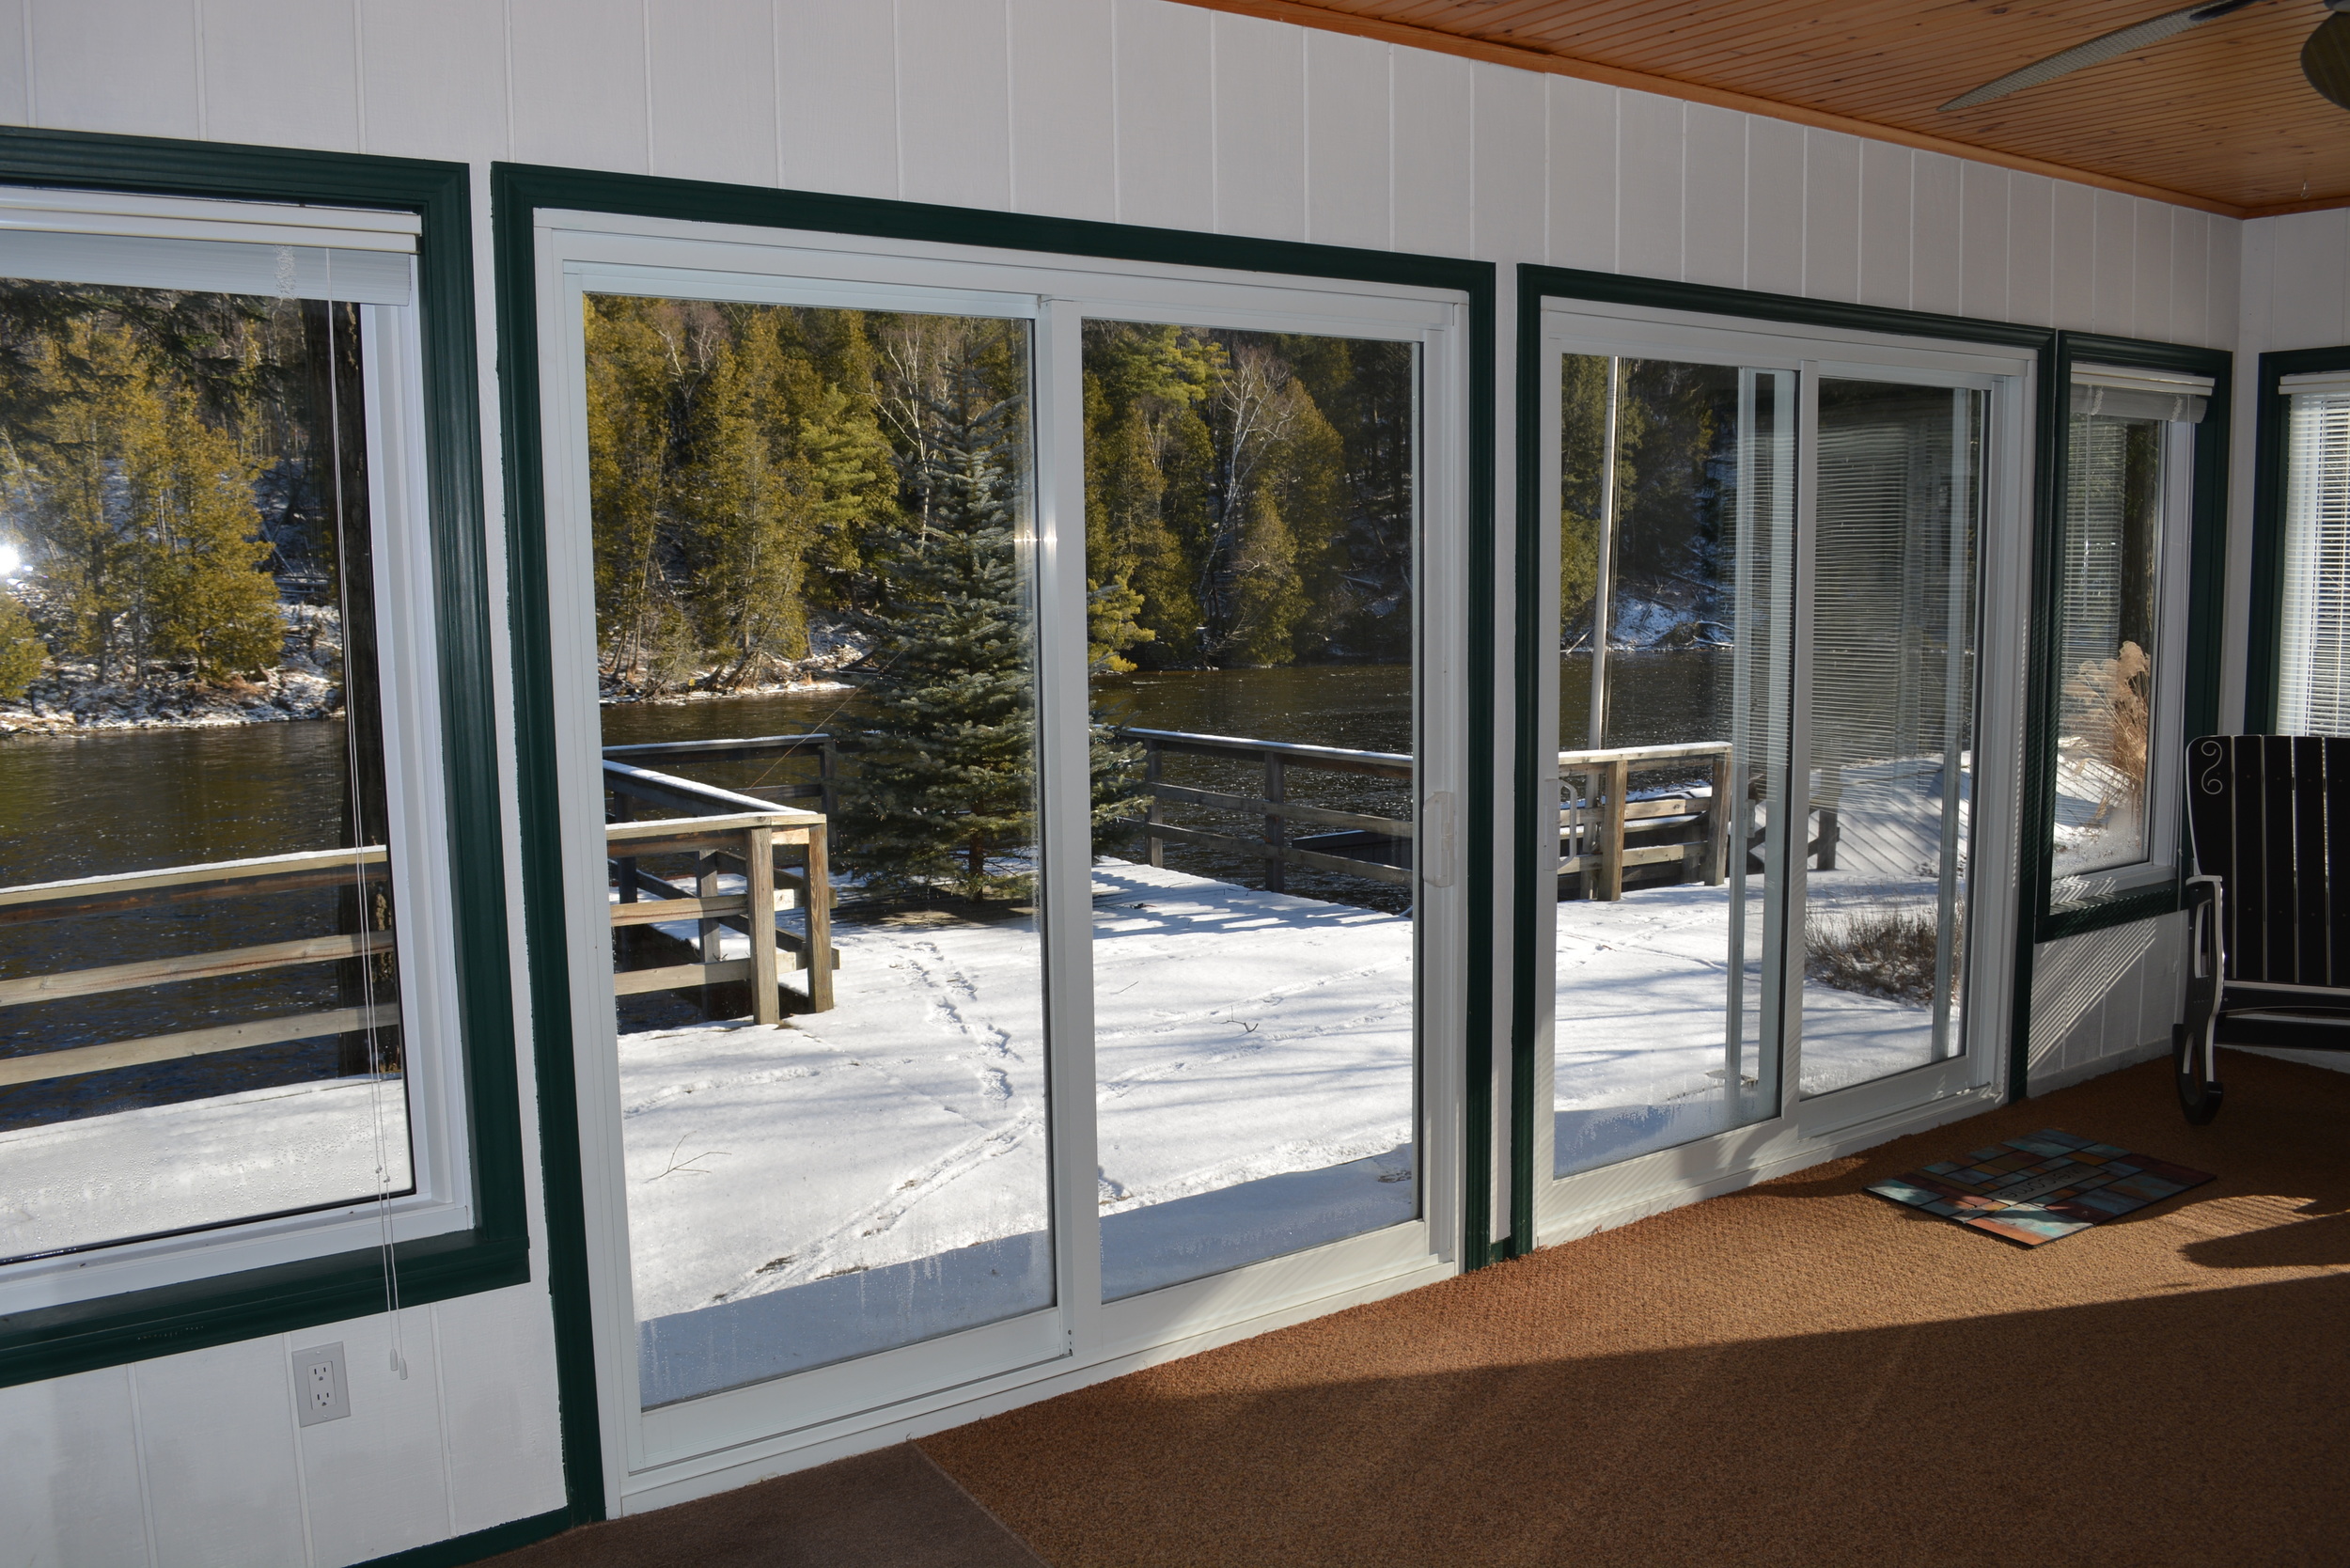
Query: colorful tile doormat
{"points": [[2038, 1188]]}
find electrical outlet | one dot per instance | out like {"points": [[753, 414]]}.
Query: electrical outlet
{"points": [[321, 1393]]}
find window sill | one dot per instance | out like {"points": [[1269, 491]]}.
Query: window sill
{"points": [[2100, 901], [137, 1325]]}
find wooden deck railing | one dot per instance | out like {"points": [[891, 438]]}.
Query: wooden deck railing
{"points": [[719, 825], [1273, 809], [1593, 826], [309, 872]]}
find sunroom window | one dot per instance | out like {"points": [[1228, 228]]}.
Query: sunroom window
{"points": [[205, 1019], [2313, 654], [2128, 483]]}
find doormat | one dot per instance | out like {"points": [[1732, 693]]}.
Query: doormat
{"points": [[2040, 1187]]}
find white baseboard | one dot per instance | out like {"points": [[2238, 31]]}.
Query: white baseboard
{"points": [[2080, 1072]]}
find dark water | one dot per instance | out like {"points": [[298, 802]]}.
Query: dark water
{"points": [[90, 805], [78, 805]]}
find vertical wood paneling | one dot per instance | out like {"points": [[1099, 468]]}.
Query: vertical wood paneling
{"points": [[2311, 265], [1984, 248], [2190, 274], [127, 65], [1259, 127], [2031, 249], [837, 96], [1165, 120], [1064, 149], [1831, 215], [1775, 204], [499, 1415], [1347, 140], [1511, 217], [2227, 292], [1713, 196], [1937, 234], [713, 89], [2114, 306], [70, 1482], [1887, 189], [281, 72], [15, 86], [1582, 174], [434, 79], [381, 1487], [2150, 285], [216, 1440], [954, 102], [2073, 251], [1648, 184], [1434, 152], [578, 70]]}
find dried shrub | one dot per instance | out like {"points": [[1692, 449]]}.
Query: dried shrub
{"points": [[1887, 951], [2110, 700]]}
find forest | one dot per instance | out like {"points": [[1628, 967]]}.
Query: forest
{"points": [[165, 491], [1248, 497]]}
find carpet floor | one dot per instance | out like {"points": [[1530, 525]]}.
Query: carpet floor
{"points": [[1800, 1373]]}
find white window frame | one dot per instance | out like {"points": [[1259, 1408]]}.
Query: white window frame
{"points": [[2290, 390], [1806, 1131], [408, 663], [679, 1451], [2166, 732]]}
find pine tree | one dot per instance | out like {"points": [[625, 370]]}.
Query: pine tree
{"points": [[205, 595], [23, 654], [947, 794]]}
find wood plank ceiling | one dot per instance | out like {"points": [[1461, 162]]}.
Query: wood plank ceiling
{"points": [[2220, 115]]}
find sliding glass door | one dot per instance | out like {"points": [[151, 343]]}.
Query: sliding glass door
{"points": [[1769, 602], [1010, 755]]}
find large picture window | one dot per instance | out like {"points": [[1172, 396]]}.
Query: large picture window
{"points": [[216, 753]]}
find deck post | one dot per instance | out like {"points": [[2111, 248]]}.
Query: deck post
{"points": [[713, 931], [1276, 827], [621, 811], [1151, 765], [1613, 776], [828, 778], [819, 953], [758, 888], [1718, 816]]}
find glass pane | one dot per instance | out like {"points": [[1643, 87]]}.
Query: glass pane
{"points": [[1676, 524], [1892, 718], [199, 997], [1251, 521], [816, 622], [2313, 656], [2112, 542]]}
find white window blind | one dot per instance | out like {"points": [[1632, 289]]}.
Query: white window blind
{"points": [[2313, 675]]}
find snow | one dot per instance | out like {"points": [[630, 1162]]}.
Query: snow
{"points": [[70, 697], [877, 1174], [163, 1168]]}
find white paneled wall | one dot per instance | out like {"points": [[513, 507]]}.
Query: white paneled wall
{"points": [[1136, 111], [197, 1459], [2104, 998]]}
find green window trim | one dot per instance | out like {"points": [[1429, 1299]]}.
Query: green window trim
{"points": [[138, 1326], [518, 193], [2207, 565], [2264, 596]]}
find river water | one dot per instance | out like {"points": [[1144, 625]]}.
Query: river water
{"points": [[126, 800]]}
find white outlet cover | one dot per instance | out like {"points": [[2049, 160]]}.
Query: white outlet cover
{"points": [[321, 1393]]}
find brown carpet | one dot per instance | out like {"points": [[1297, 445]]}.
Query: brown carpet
{"points": [[888, 1509], [1800, 1373]]}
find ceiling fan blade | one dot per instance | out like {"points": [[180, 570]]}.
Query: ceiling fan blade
{"points": [[2097, 51], [2325, 58]]}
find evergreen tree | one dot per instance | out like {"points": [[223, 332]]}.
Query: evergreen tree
{"points": [[205, 592], [23, 654], [947, 794]]}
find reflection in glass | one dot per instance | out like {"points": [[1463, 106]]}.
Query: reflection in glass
{"points": [[1891, 728], [199, 996], [835, 1138], [2112, 545], [1250, 527], [1676, 532]]}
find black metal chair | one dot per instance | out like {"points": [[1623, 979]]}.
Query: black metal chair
{"points": [[2269, 904]]}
